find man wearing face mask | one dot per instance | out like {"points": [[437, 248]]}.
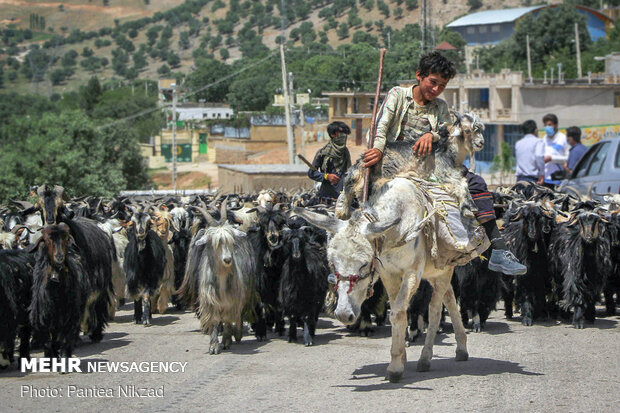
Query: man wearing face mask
{"points": [[556, 149], [332, 161]]}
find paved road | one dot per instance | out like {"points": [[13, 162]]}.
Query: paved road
{"points": [[547, 367]]}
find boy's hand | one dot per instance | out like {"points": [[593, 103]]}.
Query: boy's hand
{"points": [[424, 145], [371, 157]]}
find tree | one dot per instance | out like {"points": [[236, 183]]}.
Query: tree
{"points": [[207, 72], [133, 33], [224, 54], [474, 4], [87, 52], [184, 40], [398, 13], [343, 31], [90, 94], [163, 70], [173, 59], [66, 149], [411, 4]]}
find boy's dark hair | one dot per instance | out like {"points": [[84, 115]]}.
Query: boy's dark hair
{"points": [[550, 117], [435, 62], [574, 132], [529, 127], [338, 126]]}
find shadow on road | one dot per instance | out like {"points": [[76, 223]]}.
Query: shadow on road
{"points": [[440, 368]]}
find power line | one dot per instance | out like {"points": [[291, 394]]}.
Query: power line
{"points": [[147, 111]]}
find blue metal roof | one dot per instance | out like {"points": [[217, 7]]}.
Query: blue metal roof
{"points": [[493, 16]]}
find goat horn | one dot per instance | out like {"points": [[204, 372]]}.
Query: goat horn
{"points": [[457, 115], [210, 220], [223, 217]]}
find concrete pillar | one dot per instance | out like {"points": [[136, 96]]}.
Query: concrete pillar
{"points": [[349, 105], [494, 100], [515, 98], [463, 98]]}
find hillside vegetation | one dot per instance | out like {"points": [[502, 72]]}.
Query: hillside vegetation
{"points": [[116, 39]]}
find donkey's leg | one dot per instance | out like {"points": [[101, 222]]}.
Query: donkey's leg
{"points": [[459, 330], [400, 296], [434, 317]]}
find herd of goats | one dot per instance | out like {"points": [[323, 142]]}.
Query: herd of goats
{"points": [[67, 265]]}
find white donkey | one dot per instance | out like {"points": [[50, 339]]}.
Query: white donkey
{"points": [[395, 237]]}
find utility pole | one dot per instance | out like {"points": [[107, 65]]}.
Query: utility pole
{"points": [[174, 136], [529, 58], [578, 50], [291, 100], [287, 110], [302, 123], [287, 103]]}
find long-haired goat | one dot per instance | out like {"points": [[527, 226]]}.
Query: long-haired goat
{"points": [[96, 251], [266, 240], [303, 283], [61, 292], [144, 264], [581, 252], [15, 293], [225, 274], [527, 232]]}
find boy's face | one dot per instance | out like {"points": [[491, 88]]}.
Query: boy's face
{"points": [[432, 85]]}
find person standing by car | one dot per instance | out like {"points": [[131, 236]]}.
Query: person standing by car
{"points": [[332, 161], [577, 149], [556, 149], [530, 153]]}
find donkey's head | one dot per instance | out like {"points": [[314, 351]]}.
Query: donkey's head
{"points": [[351, 252]]}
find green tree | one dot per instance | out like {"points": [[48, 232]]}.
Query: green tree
{"points": [[163, 70], [184, 40], [65, 149], [224, 54], [343, 31]]}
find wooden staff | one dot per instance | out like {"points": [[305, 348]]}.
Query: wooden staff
{"points": [[373, 125]]}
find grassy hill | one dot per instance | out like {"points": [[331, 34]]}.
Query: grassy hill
{"points": [[211, 26]]}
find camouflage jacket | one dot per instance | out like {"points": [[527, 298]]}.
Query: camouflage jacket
{"points": [[394, 110]]}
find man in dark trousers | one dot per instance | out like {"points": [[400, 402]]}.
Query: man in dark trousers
{"points": [[414, 114], [332, 161]]}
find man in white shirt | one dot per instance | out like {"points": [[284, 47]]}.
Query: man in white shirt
{"points": [[556, 149], [530, 154]]}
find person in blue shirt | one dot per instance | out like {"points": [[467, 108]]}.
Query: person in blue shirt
{"points": [[577, 149], [332, 161]]}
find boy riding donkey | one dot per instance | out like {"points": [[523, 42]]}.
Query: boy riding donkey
{"points": [[415, 115]]}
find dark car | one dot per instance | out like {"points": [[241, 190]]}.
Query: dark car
{"points": [[598, 170]]}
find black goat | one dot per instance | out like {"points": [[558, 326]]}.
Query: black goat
{"points": [[97, 253], [527, 232], [180, 242], [61, 289], [15, 294], [266, 241], [477, 290], [144, 264], [303, 282], [581, 253]]}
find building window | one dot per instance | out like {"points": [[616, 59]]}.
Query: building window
{"points": [[471, 30], [482, 29], [616, 99], [495, 28], [228, 115]]}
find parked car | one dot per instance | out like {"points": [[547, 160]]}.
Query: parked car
{"points": [[598, 170]]}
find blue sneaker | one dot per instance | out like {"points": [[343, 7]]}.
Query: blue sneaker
{"points": [[505, 262]]}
